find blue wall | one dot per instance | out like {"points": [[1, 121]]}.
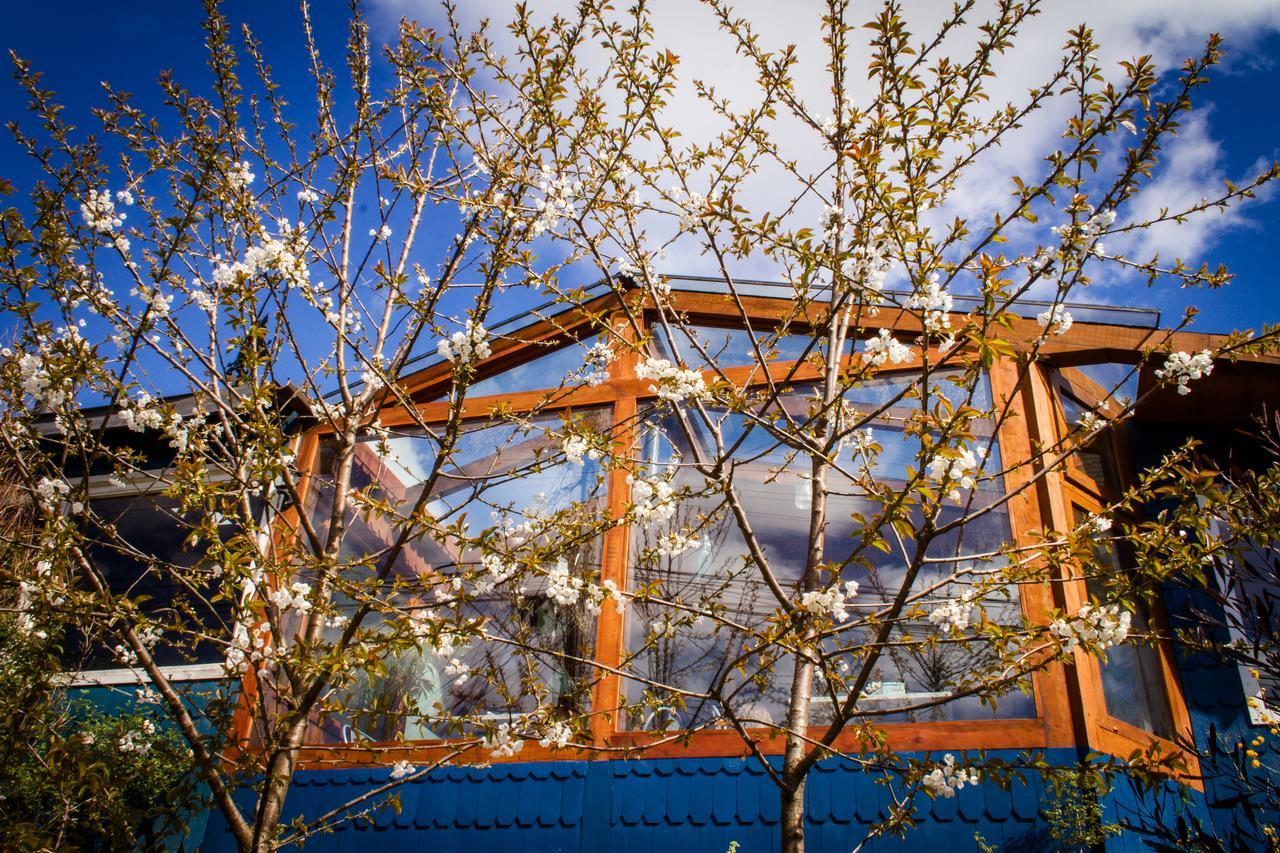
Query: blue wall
{"points": [[663, 806]]}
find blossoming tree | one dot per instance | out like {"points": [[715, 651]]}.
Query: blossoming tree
{"points": [[813, 510]]}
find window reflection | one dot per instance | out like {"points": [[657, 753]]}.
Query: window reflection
{"points": [[566, 365], [138, 543], [1132, 676], [680, 650], [500, 477], [732, 347]]}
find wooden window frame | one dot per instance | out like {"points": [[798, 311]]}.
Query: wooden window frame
{"points": [[1103, 732], [1055, 722]]}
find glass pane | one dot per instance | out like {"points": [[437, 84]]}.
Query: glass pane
{"points": [[680, 651], [1116, 380], [138, 543], [564, 366], [1096, 460], [509, 485], [1132, 677], [731, 347]]}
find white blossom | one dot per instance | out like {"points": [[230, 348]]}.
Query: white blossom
{"points": [[137, 740], [945, 779], [496, 571], [1055, 320], [458, 671], [382, 233], [294, 596], [652, 498], [596, 364], [936, 304], [153, 298], [557, 734], [563, 588], [1097, 523], [556, 203], [886, 348], [575, 447], [51, 492], [833, 601], [954, 473], [308, 196], [675, 542], [401, 770], [503, 742], [463, 347], [1181, 368], [241, 175], [671, 382], [611, 591], [955, 615], [99, 212], [1093, 627]]}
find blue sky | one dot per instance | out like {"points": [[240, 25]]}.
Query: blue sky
{"points": [[78, 44]]}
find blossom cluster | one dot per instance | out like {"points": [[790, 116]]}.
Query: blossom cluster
{"points": [[886, 348], [693, 209], [1055, 320], [557, 734], [955, 615], [50, 493], [432, 634], [575, 447], [241, 174], [467, 346], [566, 589], [295, 596], [556, 203], [652, 498], [503, 742], [402, 770], [271, 255], [867, 267], [954, 473], [253, 646], [1085, 234], [1093, 627], [833, 601], [1181, 368], [935, 302], [138, 740], [675, 542], [596, 364], [833, 220], [671, 382], [945, 779], [99, 210], [496, 572]]}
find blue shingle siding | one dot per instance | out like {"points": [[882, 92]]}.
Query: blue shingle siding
{"points": [[693, 804], [1219, 720]]}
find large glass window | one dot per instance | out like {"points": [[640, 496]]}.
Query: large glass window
{"points": [[502, 487], [137, 539], [675, 652], [1132, 675]]}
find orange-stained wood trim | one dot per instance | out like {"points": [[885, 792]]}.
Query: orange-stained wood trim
{"points": [[611, 629], [540, 337], [949, 735], [306, 448], [1051, 687]]}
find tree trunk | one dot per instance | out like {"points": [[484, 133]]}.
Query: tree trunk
{"points": [[793, 772], [793, 817]]}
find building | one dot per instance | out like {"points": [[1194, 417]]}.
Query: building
{"points": [[704, 792]]}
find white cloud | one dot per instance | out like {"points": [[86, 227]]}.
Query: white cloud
{"points": [[1169, 30]]}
